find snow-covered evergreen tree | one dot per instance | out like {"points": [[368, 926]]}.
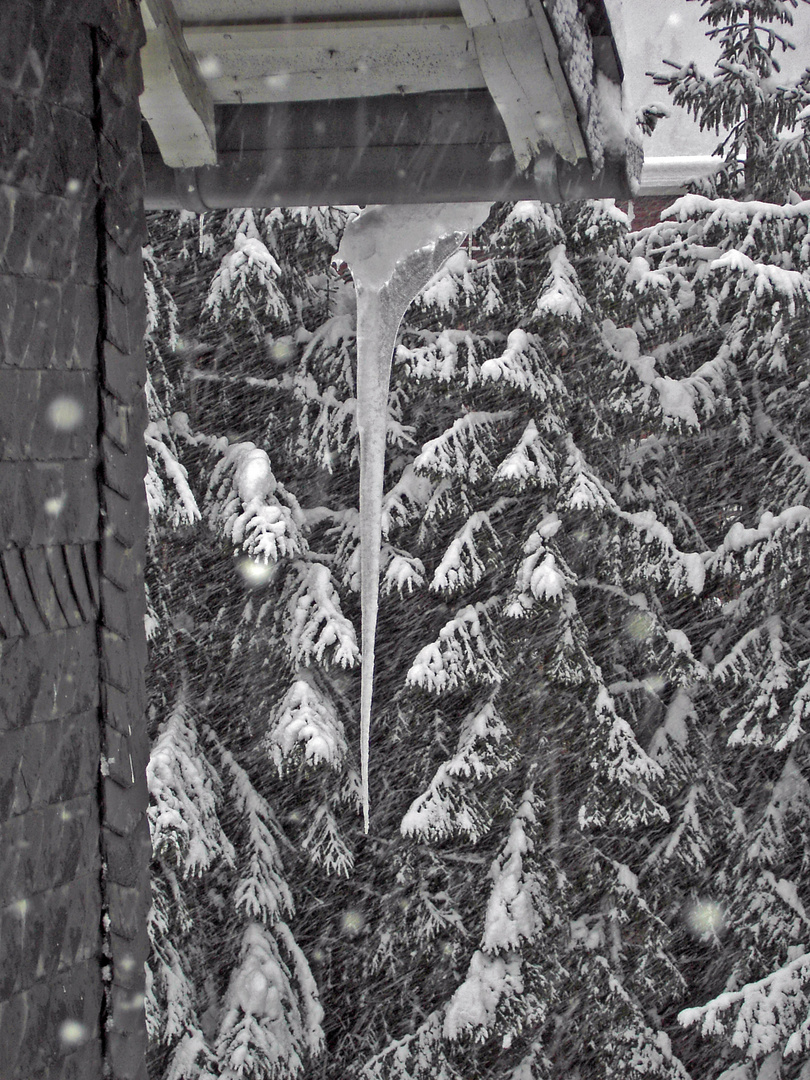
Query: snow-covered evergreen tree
{"points": [[528, 646], [588, 762], [231, 994], [724, 322]]}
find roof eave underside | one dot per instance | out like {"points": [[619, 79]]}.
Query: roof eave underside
{"points": [[465, 118]]}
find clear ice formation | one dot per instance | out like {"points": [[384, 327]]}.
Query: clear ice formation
{"points": [[392, 252]]}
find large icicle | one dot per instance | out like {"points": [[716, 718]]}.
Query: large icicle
{"points": [[392, 251]]}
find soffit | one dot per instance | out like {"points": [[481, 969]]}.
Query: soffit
{"points": [[207, 60]]}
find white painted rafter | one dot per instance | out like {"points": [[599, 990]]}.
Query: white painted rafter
{"points": [[518, 58], [176, 102]]}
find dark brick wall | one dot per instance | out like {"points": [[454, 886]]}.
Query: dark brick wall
{"points": [[73, 834], [646, 210], [122, 372]]}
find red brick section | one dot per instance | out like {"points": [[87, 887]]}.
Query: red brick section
{"points": [[73, 836], [646, 210]]}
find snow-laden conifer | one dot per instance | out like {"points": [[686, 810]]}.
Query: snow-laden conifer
{"points": [[724, 315], [511, 578], [221, 890], [558, 598]]}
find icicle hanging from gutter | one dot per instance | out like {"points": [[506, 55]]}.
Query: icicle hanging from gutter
{"points": [[392, 252]]}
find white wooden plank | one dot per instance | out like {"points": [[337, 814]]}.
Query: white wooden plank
{"points": [[528, 61], [313, 61], [208, 12], [514, 104], [477, 13], [518, 58], [483, 12], [567, 104], [176, 102]]}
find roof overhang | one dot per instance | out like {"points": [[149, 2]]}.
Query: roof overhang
{"points": [[367, 101]]}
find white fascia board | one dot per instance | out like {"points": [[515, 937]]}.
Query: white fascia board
{"points": [[175, 101], [518, 58]]}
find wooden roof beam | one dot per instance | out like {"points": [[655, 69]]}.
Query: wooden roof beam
{"points": [[518, 58], [315, 61], [176, 102]]}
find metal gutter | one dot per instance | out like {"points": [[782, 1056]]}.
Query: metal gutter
{"points": [[447, 146]]}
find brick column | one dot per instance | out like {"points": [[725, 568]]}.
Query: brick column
{"points": [[126, 848], [73, 836]]}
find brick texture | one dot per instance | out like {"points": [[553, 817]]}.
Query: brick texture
{"points": [[125, 833], [646, 210], [74, 841]]}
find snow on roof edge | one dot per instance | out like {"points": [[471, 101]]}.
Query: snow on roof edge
{"points": [[669, 175]]}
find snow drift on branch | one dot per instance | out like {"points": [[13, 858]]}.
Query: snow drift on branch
{"points": [[251, 507], [264, 1032], [317, 629], [561, 295], [462, 449], [261, 890], [467, 651], [511, 919], [543, 574], [183, 510], [247, 282], [182, 791], [530, 462], [621, 793], [448, 807], [771, 1014], [524, 366], [677, 399], [475, 1002], [305, 720], [463, 563]]}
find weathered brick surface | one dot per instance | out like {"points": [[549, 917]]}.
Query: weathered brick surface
{"points": [[119, 563], [118, 427], [129, 973], [116, 710], [49, 762], [116, 665], [59, 574], [53, 1020], [81, 564], [55, 415], [42, 590], [115, 608], [50, 237], [79, 1064], [72, 535], [44, 145], [47, 324], [44, 503], [48, 847], [124, 820], [125, 834], [124, 419], [122, 323], [10, 625], [124, 908], [20, 592], [123, 516], [49, 933], [48, 676]]}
